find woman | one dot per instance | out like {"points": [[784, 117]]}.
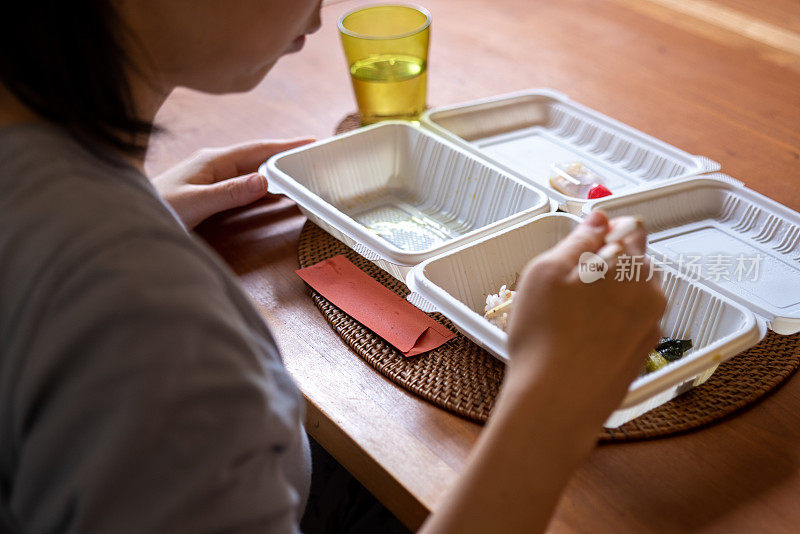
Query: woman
{"points": [[139, 389]]}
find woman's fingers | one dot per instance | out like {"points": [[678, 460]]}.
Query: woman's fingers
{"points": [[244, 158], [634, 238], [230, 193], [624, 250], [588, 236], [219, 179]]}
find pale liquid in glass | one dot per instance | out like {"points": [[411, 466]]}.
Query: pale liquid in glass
{"points": [[389, 87]]}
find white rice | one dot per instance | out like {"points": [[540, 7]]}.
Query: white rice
{"points": [[494, 300]]}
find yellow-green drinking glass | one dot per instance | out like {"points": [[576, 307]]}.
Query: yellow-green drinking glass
{"points": [[386, 46]]}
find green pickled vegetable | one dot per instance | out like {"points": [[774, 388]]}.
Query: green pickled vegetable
{"points": [[654, 362], [667, 351], [673, 349]]}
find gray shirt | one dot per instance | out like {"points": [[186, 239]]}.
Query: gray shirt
{"points": [[139, 389]]}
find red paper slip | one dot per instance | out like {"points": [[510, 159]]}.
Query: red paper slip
{"points": [[370, 303]]}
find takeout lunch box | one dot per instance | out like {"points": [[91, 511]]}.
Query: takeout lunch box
{"points": [[720, 221], [526, 132], [711, 217], [398, 194], [456, 284], [456, 205]]}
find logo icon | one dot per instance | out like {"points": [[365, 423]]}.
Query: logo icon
{"points": [[591, 267]]}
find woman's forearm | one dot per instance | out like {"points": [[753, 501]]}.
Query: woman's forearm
{"points": [[574, 348], [518, 468]]}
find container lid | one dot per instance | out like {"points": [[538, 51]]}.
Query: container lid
{"points": [[527, 132], [730, 238]]}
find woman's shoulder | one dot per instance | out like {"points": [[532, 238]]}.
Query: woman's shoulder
{"points": [[48, 179], [123, 336], [88, 248], [67, 214], [60, 202]]}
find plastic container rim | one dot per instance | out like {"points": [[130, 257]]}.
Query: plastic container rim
{"points": [[573, 205], [642, 388], [386, 250], [782, 324]]}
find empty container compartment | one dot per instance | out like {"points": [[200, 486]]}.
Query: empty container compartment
{"points": [[399, 195]]}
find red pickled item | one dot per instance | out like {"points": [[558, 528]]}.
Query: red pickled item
{"points": [[598, 191]]}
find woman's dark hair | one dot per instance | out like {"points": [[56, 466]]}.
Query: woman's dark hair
{"points": [[65, 61]]}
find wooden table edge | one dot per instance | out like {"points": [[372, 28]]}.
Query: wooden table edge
{"points": [[364, 467]]}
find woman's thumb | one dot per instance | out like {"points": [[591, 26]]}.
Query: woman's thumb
{"points": [[234, 192]]}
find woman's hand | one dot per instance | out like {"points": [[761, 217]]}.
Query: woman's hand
{"points": [[217, 179], [589, 338], [575, 347]]}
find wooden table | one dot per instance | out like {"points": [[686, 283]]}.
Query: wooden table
{"points": [[718, 78]]}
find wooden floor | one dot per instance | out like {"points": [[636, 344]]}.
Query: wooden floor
{"points": [[719, 78]]}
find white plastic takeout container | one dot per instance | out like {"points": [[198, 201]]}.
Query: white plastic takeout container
{"points": [[398, 194], [730, 228], [457, 283], [746, 247], [526, 132], [456, 205]]}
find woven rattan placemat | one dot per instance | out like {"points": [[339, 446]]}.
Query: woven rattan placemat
{"points": [[462, 378]]}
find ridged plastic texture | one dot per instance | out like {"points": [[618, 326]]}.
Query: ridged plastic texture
{"points": [[458, 282], [527, 132], [398, 194], [747, 246]]}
